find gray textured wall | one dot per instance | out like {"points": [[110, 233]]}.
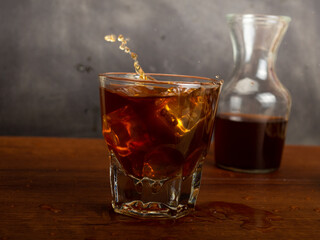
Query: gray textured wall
{"points": [[52, 51]]}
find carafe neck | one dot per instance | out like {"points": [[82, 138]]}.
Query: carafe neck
{"points": [[255, 41]]}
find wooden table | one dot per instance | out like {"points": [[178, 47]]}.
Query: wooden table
{"points": [[57, 188]]}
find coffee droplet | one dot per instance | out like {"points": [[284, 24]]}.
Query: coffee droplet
{"points": [[136, 65], [127, 50], [134, 56], [120, 38], [123, 46], [110, 38]]}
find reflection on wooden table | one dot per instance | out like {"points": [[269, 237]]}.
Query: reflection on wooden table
{"points": [[57, 188]]}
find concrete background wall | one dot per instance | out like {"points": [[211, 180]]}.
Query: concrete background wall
{"points": [[52, 51]]}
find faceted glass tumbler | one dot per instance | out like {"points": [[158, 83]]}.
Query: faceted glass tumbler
{"points": [[158, 132]]}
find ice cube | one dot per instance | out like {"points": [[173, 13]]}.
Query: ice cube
{"points": [[136, 90], [192, 160], [124, 131], [182, 113], [163, 162], [174, 91]]}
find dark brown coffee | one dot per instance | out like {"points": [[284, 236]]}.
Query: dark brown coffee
{"points": [[249, 142], [157, 136]]}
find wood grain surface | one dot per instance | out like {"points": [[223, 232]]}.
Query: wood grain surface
{"points": [[58, 188]]}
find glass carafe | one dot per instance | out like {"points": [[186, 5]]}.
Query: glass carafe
{"points": [[254, 106]]}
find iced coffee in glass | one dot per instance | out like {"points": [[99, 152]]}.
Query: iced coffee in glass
{"points": [[158, 130]]}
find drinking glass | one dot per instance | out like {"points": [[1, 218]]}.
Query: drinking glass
{"points": [[158, 132]]}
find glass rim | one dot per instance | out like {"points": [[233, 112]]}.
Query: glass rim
{"points": [[231, 17], [172, 79]]}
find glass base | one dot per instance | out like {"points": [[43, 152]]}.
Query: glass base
{"points": [[257, 171], [151, 210], [151, 198]]}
